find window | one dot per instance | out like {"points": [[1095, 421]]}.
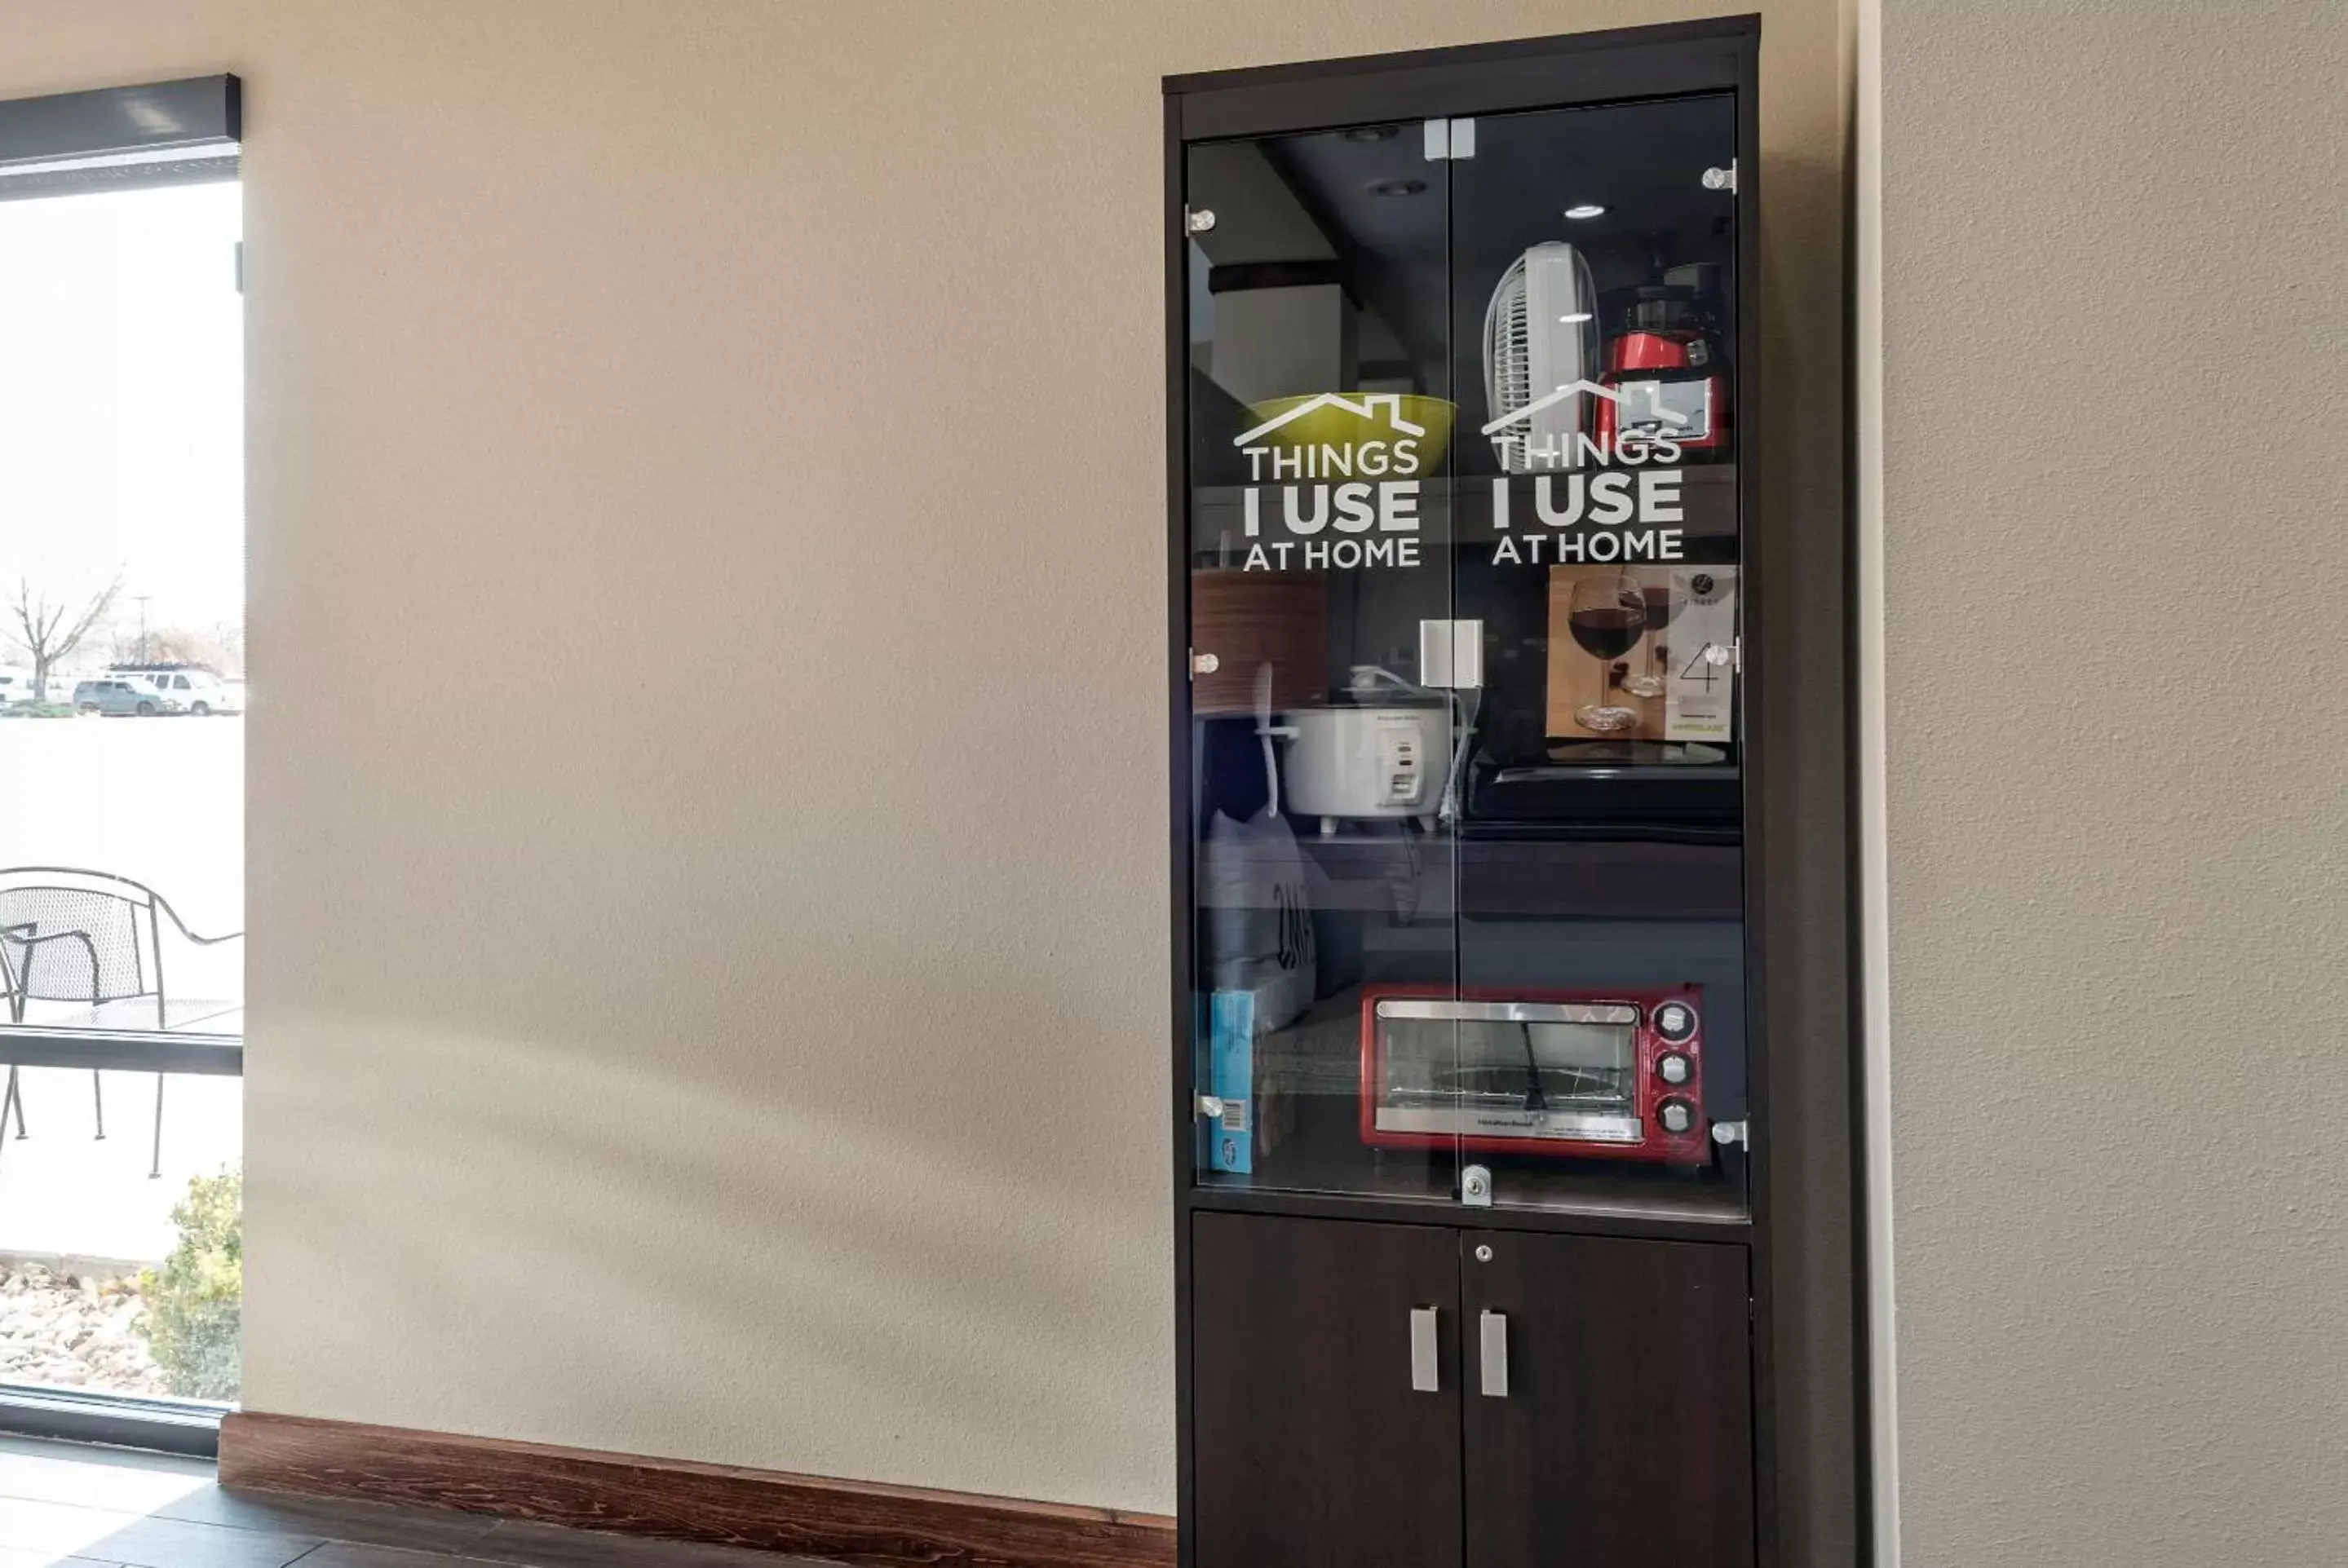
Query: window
{"points": [[121, 839]]}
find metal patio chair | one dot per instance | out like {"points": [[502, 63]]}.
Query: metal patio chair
{"points": [[68, 934]]}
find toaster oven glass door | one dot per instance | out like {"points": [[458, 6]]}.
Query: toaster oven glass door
{"points": [[1556, 1074]]}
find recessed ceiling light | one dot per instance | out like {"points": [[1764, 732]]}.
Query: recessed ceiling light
{"points": [[1398, 187], [1576, 316], [1586, 209]]}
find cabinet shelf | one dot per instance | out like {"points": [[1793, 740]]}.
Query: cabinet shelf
{"points": [[1462, 523], [1508, 876], [1717, 1218]]}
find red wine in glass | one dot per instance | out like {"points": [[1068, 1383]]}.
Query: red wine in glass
{"points": [[1607, 632], [1605, 616]]}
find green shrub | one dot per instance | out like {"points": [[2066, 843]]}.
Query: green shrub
{"points": [[191, 1306]]}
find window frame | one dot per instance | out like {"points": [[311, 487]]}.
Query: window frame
{"points": [[185, 131]]}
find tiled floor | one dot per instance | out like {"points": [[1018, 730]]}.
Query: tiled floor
{"points": [[62, 1505]]}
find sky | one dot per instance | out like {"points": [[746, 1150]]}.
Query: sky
{"points": [[122, 403]]}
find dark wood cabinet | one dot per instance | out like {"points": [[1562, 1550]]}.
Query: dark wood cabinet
{"points": [[1620, 1433], [1313, 1449], [1591, 1401], [1446, 850]]}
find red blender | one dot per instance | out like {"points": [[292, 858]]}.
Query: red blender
{"points": [[1670, 372]]}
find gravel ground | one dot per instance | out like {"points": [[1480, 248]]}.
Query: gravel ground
{"points": [[73, 1331]]}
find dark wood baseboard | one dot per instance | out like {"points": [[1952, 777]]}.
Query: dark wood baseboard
{"points": [[847, 1521]]}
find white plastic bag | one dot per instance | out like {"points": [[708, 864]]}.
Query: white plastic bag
{"points": [[1252, 884]]}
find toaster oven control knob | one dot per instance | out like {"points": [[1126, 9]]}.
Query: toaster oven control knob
{"points": [[1675, 1021], [1672, 1068], [1676, 1115]]}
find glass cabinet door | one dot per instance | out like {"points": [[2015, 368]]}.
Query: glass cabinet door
{"points": [[1596, 523], [1324, 794], [1463, 547]]}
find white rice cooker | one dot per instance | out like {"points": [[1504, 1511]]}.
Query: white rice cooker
{"points": [[1356, 760]]}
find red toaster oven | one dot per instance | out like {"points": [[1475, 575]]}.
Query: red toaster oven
{"points": [[1605, 1074]]}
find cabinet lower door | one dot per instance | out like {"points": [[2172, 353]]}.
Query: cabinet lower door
{"points": [[1607, 1404], [1324, 1394]]}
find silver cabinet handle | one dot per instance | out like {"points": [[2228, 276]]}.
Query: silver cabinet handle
{"points": [[1492, 1333], [1423, 1379]]}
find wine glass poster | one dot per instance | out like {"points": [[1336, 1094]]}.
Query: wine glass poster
{"points": [[1674, 681]]}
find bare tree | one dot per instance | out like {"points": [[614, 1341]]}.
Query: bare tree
{"points": [[214, 648], [48, 632], [227, 639]]}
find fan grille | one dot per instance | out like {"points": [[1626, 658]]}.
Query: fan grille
{"points": [[1508, 364]]}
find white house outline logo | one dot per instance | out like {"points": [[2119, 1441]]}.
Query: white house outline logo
{"points": [[1574, 389], [1369, 403]]}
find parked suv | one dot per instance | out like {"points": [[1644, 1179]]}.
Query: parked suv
{"points": [[121, 694], [197, 690]]}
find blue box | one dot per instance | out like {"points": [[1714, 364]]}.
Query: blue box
{"points": [[1231, 1057]]}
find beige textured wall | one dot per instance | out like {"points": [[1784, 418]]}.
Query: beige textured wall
{"points": [[2113, 307], [747, 1041]]}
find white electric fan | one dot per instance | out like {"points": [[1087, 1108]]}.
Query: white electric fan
{"points": [[1540, 334]]}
